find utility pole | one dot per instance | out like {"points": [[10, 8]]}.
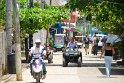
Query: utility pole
{"points": [[8, 29], [42, 31], [84, 28], [17, 41], [47, 35]]}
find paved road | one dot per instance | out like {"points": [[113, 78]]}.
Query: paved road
{"points": [[92, 71]]}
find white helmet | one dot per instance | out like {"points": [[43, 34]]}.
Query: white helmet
{"points": [[37, 41]]}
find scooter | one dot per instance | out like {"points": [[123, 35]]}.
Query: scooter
{"points": [[37, 69]]}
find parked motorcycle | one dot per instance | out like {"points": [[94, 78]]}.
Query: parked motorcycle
{"points": [[37, 69], [49, 53]]}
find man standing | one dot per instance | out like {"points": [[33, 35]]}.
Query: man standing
{"points": [[86, 42]]}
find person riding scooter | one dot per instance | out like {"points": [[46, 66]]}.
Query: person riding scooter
{"points": [[38, 49]]}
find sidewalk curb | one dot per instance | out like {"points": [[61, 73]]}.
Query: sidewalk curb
{"points": [[7, 78]]}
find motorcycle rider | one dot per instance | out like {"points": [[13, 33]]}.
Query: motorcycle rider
{"points": [[38, 49]]}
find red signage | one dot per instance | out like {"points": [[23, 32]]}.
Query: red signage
{"points": [[73, 17]]}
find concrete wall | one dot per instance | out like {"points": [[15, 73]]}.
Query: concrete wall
{"points": [[2, 54], [41, 34]]}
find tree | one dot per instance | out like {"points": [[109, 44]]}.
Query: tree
{"points": [[40, 17], [2, 14], [33, 19], [109, 15]]}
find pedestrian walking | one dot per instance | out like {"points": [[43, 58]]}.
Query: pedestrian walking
{"points": [[95, 44], [108, 52], [86, 42], [103, 40]]}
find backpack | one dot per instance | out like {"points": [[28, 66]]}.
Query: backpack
{"points": [[96, 41], [86, 39]]}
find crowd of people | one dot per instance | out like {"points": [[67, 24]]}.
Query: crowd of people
{"points": [[105, 47]]}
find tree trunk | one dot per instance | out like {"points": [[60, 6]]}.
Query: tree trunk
{"points": [[30, 41], [8, 28], [31, 35], [50, 2], [42, 4], [17, 41], [26, 49], [9, 25]]}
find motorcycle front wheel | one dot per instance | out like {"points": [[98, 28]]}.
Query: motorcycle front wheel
{"points": [[37, 78]]}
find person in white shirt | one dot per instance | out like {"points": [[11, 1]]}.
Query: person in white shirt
{"points": [[35, 50]]}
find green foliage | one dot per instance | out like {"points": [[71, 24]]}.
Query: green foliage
{"points": [[108, 13], [22, 3], [32, 19], [2, 13]]}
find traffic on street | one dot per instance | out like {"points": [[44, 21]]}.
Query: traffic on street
{"points": [[61, 41]]}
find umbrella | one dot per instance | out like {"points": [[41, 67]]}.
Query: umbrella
{"points": [[113, 39]]}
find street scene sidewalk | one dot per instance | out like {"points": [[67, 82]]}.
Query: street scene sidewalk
{"points": [[33, 30], [92, 71]]}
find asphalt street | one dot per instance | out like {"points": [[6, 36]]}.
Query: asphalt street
{"points": [[91, 71]]}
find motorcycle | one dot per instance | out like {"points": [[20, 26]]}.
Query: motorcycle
{"points": [[49, 54], [37, 67]]}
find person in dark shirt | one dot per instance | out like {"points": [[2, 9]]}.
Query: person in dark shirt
{"points": [[108, 51], [86, 42], [95, 44]]}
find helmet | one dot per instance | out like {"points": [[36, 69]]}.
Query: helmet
{"points": [[37, 41]]}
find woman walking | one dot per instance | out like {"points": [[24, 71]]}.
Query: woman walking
{"points": [[108, 51]]}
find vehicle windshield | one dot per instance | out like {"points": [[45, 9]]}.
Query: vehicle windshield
{"points": [[59, 40], [79, 39]]}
